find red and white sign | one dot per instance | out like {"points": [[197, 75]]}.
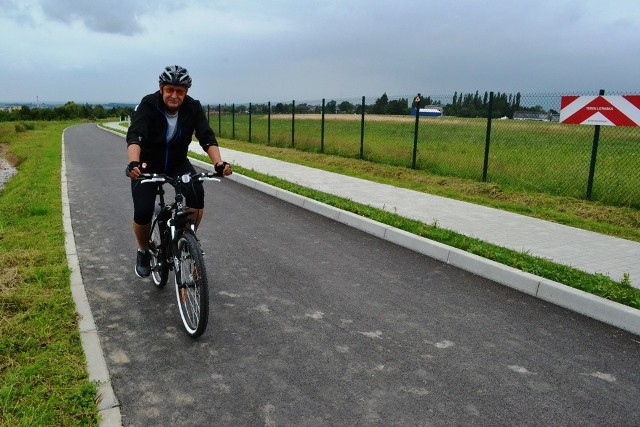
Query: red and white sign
{"points": [[601, 110]]}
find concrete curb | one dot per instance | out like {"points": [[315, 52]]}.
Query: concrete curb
{"points": [[606, 311], [108, 406]]}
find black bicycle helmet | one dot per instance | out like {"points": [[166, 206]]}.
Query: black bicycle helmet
{"points": [[175, 75]]}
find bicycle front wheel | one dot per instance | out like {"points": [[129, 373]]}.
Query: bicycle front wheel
{"points": [[192, 289]]}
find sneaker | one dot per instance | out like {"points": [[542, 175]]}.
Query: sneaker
{"points": [[143, 264]]}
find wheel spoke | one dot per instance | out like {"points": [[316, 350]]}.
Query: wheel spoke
{"points": [[191, 286], [159, 267]]}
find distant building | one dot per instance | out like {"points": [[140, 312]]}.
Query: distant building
{"points": [[429, 111], [532, 115], [10, 108]]}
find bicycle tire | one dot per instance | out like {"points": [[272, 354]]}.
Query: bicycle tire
{"points": [[159, 266], [192, 288]]}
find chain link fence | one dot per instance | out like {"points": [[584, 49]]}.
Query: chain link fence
{"points": [[515, 140]]}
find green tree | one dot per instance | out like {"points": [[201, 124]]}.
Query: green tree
{"points": [[398, 107], [380, 106], [99, 112], [302, 108], [25, 113], [70, 110], [279, 108], [346, 107]]}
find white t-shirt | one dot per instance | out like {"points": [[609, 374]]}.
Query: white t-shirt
{"points": [[172, 121]]}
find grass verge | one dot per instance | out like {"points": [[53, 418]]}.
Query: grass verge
{"points": [[42, 365]]}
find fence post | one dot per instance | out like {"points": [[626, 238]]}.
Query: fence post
{"points": [[415, 137], [249, 122], [594, 154], [293, 123], [233, 121], [220, 120], [268, 122], [485, 167], [322, 129], [362, 132]]}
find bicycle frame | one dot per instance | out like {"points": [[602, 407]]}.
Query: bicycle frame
{"points": [[175, 247], [174, 218], [174, 215]]}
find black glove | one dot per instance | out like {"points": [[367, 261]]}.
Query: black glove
{"points": [[131, 166], [220, 168]]}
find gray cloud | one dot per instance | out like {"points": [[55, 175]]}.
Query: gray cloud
{"points": [[243, 50], [113, 17]]}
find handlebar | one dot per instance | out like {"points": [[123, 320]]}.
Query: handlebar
{"points": [[174, 180]]}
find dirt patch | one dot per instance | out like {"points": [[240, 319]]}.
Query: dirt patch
{"points": [[8, 162], [9, 279]]}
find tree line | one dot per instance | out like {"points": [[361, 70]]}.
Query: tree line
{"points": [[461, 105], [474, 105], [382, 106], [68, 111]]}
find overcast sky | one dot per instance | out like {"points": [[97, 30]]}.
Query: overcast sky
{"points": [[99, 51]]}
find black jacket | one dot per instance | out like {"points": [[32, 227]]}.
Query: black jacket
{"points": [[148, 129]]}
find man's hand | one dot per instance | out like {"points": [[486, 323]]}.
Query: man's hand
{"points": [[223, 169], [133, 169]]}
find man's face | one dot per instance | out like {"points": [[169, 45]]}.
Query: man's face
{"points": [[173, 96]]}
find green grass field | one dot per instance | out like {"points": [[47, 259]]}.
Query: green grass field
{"points": [[43, 379], [544, 157]]}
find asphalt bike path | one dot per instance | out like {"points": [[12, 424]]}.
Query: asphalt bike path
{"points": [[314, 322], [585, 250]]}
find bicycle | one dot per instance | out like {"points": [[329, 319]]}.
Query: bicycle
{"points": [[174, 246]]}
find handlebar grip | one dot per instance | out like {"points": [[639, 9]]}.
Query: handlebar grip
{"points": [[154, 179], [207, 176]]}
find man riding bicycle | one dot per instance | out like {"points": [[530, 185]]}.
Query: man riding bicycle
{"points": [[158, 142]]}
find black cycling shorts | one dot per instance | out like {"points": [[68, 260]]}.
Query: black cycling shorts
{"points": [[144, 195]]}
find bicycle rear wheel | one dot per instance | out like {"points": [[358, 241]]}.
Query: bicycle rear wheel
{"points": [[159, 266], [192, 289]]}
